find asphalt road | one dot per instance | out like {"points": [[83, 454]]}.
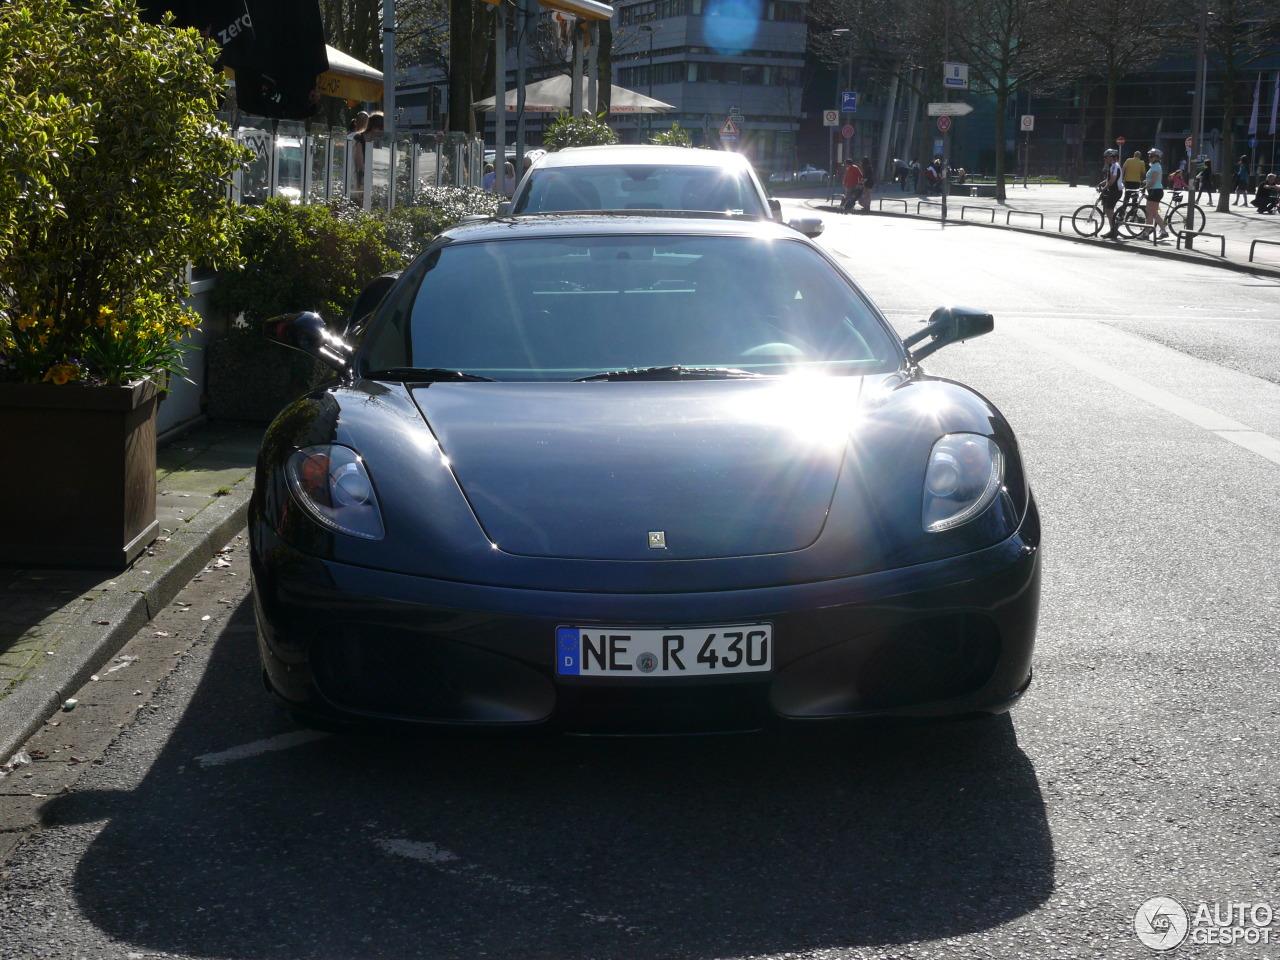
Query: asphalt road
{"points": [[1141, 763]]}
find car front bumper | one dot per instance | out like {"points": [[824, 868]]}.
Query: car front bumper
{"points": [[345, 643]]}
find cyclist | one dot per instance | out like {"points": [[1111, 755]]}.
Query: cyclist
{"points": [[1155, 193], [1111, 190]]}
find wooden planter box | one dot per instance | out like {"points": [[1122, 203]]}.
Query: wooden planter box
{"points": [[81, 474]]}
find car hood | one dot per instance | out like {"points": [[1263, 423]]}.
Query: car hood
{"points": [[646, 470]]}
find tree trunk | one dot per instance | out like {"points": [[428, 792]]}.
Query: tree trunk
{"points": [[1108, 123], [1002, 101], [604, 70], [483, 24], [460, 65], [1226, 161]]}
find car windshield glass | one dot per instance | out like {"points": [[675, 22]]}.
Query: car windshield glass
{"points": [[570, 307], [639, 187]]}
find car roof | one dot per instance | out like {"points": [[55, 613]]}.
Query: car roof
{"points": [[667, 223], [641, 154]]}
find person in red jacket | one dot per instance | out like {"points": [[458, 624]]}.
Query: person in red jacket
{"points": [[852, 186]]}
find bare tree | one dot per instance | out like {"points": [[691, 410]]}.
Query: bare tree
{"points": [[1240, 32]]}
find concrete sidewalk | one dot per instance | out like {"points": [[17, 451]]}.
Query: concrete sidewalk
{"points": [[1048, 208], [57, 627]]}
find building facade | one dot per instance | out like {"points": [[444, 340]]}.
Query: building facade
{"points": [[711, 59]]}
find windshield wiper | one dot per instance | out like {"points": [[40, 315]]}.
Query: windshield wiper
{"points": [[672, 372], [426, 375]]}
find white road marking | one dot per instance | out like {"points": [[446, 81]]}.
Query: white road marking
{"points": [[1225, 427], [448, 862], [284, 741], [415, 850]]}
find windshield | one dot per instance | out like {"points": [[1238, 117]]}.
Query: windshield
{"points": [[572, 307], [639, 187]]}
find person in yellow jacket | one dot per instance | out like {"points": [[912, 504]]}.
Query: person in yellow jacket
{"points": [[1135, 171]]}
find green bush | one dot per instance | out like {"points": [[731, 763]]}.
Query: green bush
{"points": [[302, 257], [677, 136], [114, 180], [566, 131], [410, 228]]}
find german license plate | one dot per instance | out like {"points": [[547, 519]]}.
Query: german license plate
{"points": [[672, 652]]}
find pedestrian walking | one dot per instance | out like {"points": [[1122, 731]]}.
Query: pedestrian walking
{"points": [[1110, 187], [1155, 193], [486, 182], [915, 175], [1204, 180], [1242, 183], [852, 186]]}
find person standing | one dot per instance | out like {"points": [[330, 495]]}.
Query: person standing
{"points": [[1111, 190], [1155, 193], [1242, 183], [868, 184], [508, 179], [1135, 171], [852, 186], [486, 182], [915, 175]]}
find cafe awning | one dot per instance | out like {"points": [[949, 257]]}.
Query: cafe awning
{"points": [[347, 78], [552, 96]]}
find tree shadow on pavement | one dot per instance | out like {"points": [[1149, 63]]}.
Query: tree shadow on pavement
{"points": [[353, 847]]}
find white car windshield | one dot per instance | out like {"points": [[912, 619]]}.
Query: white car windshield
{"points": [[552, 308], [639, 187]]}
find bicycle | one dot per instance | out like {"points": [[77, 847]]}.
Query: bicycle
{"points": [[1131, 215], [1175, 212]]}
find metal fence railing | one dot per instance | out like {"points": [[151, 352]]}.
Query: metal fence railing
{"points": [[311, 165]]}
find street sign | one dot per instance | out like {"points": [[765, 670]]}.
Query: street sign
{"points": [[1027, 123], [848, 102], [730, 129], [1119, 141], [831, 118], [1188, 143], [1253, 143], [949, 109], [955, 76], [847, 131], [944, 124]]}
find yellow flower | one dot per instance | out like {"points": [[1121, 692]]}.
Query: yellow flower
{"points": [[60, 373], [26, 321], [104, 316]]}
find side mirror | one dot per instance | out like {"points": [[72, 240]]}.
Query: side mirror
{"points": [[949, 325], [307, 333], [775, 207], [809, 226], [504, 208], [368, 301]]}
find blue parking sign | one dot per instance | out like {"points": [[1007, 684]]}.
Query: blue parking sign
{"points": [[848, 102]]}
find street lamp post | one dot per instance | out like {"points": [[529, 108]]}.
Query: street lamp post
{"points": [[648, 119]]}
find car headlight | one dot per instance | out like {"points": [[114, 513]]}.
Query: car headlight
{"points": [[332, 485], [965, 472]]}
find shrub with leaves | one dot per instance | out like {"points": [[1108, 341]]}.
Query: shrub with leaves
{"points": [[302, 257], [677, 136], [115, 174], [566, 131], [410, 228]]}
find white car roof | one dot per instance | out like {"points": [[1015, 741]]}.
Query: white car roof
{"points": [[642, 154]]}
